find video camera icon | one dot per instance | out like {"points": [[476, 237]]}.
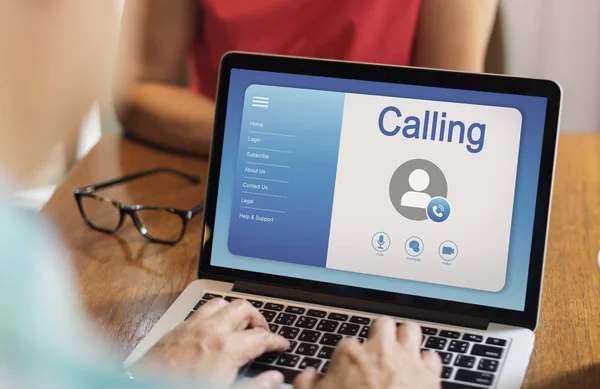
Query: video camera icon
{"points": [[448, 250]]}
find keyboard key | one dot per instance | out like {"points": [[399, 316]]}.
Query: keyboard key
{"points": [[464, 361], [268, 357], [429, 330], [458, 347], [325, 352], [364, 333], [475, 377], [296, 310], [457, 385], [310, 362], [360, 320], [325, 367], [288, 360], [445, 357], [257, 368], [447, 372], [309, 349], [309, 336], [450, 334], [286, 319], [269, 315], [327, 325], [361, 340], [488, 364], [331, 339], [289, 332], [487, 351], [293, 344], [274, 307], [200, 303], [210, 296], [316, 313], [349, 329], [231, 298], [337, 316], [496, 342], [436, 343], [273, 328], [306, 322], [256, 303], [473, 338]]}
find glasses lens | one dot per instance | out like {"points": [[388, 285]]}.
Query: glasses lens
{"points": [[101, 214], [161, 224]]}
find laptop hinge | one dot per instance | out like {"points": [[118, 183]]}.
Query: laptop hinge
{"points": [[361, 305]]}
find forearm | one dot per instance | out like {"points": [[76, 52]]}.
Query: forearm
{"points": [[168, 116], [454, 34]]}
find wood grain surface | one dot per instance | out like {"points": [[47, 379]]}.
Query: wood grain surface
{"points": [[127, 283]]}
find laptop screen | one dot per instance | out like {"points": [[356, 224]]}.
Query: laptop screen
{"points": [[408, 189]]}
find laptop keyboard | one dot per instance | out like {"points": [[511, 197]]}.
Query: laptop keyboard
{"points": [[470, 360]]}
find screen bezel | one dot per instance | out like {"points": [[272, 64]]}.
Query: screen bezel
{"points": [[401, 75]]}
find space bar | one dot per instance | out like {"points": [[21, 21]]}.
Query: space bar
{"points": [[289, 375], [256, 368], [456, 385]]}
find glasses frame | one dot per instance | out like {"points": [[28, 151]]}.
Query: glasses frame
{"points": [[131, 210]]}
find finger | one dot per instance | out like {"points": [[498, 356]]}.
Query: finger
{"points": [[307, 379], [348, 352], [267, 380], [383, 331], [239, 315], [251, 344], [409, 336], [432, 361], [211, 307]]}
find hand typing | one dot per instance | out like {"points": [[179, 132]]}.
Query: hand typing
{"points": [[390, 359], [215, 342]]}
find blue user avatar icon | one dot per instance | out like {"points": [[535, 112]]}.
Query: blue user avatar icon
{"points": [[414, 246], [448, 250], [438, 210]]}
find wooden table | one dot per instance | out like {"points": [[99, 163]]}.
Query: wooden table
{"points": [[128, 283]]}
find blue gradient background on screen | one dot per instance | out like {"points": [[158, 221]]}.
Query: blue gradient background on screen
{"points": [[533, 110], [313, 122]]}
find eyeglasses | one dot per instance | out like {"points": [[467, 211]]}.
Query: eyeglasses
{"points": [[157, 224]]}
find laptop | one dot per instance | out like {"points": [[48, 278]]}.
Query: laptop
{"points": [[339, 192]]}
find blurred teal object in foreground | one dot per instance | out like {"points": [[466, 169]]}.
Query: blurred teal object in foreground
{"points": [[45, 341]]}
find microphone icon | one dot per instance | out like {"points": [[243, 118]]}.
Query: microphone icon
{"points": [[380, 242]]}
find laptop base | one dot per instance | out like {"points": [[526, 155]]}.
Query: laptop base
{"points": [[509, 372]]}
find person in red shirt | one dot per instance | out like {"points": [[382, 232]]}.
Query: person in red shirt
{"points": [[185, 39]]}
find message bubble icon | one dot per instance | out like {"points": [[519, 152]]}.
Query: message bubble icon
{"points": [[414, 246]]}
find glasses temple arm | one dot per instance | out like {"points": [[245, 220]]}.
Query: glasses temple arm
{"points": [[193, 179], [199, 208]]}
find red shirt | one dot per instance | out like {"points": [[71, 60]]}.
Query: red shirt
{"points": [[379, 31]]}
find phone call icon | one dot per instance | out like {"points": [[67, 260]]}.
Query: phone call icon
{"points": [[438, 210]]}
